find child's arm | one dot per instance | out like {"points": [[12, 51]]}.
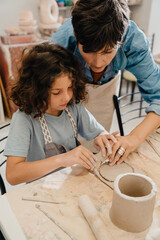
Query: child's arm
{"points": [[19, 171]]}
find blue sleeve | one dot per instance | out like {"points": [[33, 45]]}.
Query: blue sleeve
{"points": [[19, 136], [64, 36], [140, 62], [87, 125]]}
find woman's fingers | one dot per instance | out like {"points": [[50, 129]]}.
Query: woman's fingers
{"points": [[121, 149], [123, 157], [115, 133], [118, 156], [115, 147]]}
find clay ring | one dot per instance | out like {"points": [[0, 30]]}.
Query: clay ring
{"points": [[121, 151]]}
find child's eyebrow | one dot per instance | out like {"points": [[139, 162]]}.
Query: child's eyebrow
{"points": [[56, 88], [59, 88]]}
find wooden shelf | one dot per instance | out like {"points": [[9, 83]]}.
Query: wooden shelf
{"points": [[4, 100], [65, 8], [134, 3]]}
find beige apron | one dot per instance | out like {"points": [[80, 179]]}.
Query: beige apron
{"points": [[52, 148], [100, 104]]}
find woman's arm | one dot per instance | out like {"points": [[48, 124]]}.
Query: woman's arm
{"points": [[135, 138]]}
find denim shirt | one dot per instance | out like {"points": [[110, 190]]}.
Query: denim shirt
{"points": [[133, 55]]}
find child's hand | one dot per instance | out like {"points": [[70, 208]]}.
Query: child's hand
{"points": [[79, 155], [104, 143]]}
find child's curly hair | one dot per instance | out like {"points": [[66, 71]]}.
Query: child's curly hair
{"points": [[40, 66]]}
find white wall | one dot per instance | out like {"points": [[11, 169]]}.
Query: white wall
{"points": [[147, 17], [140, 14], [10, 11], [154, 25]]}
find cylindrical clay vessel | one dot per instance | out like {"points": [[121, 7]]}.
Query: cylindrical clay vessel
{"points": [[133, 202]]}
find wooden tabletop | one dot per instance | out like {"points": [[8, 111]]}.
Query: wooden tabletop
{"points": [[65, 187]]}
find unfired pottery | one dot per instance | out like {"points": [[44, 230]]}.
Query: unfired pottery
{"points": [[48, 11], [133, 202], [27, 23], [94, 220], [108, 174]]}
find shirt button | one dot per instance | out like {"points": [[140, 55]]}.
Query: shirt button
{"points": [[100, 83], [103, 76]]}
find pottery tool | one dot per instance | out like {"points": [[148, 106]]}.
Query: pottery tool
{"points": [[95, 222], [108, 174], [44, 201], [106, 161], [55, 222]]}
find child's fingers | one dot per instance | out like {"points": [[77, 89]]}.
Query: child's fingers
{"points": [[88, 161], [101, 144], [105, 145], [108, 146]]}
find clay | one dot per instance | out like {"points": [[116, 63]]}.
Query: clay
{"points": [[108, 174], [48, 11], [49, 14], [154, 234], [95, 222], [133, 202], [111, 172], [27, 23]]}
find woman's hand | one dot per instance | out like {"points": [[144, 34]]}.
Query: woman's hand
{"points": [[104, 143], [128, 143], [79, 155]]}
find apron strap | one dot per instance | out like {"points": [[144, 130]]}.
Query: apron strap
{"points": [[72, 122], [45, 130]]}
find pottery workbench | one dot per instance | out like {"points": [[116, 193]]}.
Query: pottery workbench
{"points": [[34, 220]]}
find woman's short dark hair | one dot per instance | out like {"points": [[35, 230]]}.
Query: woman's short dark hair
{"points": [[40, 66], [99, 24]]}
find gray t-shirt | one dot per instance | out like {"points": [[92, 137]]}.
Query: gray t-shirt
{"points": [[26, 139]]}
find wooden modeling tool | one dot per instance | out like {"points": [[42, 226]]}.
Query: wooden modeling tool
{"points": [[55, 222], [44, 201]]}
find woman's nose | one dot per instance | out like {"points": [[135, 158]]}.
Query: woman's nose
{"points": [[98, 60]]}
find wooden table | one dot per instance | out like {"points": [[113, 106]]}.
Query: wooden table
{"points": [[66, 186]]}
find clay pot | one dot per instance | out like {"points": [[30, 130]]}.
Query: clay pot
{"points": [[133, 202]]}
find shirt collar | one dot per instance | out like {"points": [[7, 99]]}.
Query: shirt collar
{"points": [[120, 60]]}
